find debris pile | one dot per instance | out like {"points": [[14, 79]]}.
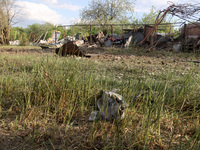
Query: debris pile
{"points": [[134, 36], [69, 48], [16, 42], [189, 12], [141, 35], [190, 32], [189, 37], [111, 106], [53, 41]]}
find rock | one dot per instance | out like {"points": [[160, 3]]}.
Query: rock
{"points": [[108, 43], [79, 43]]}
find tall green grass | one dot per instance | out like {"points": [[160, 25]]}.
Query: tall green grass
{"points": [[52, 98]]}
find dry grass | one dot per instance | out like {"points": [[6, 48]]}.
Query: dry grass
{"points": [[34, 114]]}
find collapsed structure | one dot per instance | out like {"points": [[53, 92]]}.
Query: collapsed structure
{"points": [[187, 39], [141, 35], [189, 36]]}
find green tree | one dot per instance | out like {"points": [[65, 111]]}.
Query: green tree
{"points": [[15, 33], [107, 11], [23, 39], [34, 31], [150, 18]]}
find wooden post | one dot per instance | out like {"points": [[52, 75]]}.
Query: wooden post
{"points": [[111, 30], [170, 30], [90, 34], [73, 32], [55, 34], [122, 29], [64, 32], [112, 34], [145, 30], [185, 32], [153, 37], [185, 36]]}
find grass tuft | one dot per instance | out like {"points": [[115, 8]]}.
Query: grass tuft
{"points": [[45, 101]]}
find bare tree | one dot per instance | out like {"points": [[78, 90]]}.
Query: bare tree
{"points": [[8, 14]]}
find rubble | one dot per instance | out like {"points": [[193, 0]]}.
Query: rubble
{"points": [[111, 106], [108, 43], [189, 36], [129, 41], [16, 42], [69, 48], [97, 38], [134, 36], [79, 42], [177, 47], [53, 41]]}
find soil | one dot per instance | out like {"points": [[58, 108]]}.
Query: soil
{"points": [[19, 139], [11, 50]]}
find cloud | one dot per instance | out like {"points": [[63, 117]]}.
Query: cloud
{"points": [[51, 1], [40, 13], [60, 4], [144, 6], [74, 20], [47, 1], [68, 6]]}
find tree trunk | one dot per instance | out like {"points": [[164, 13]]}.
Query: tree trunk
{"points": [[6, 35]]}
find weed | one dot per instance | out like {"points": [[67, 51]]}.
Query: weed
{"points": [[45, 101]]}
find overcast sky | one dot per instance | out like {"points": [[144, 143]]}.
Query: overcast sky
{"points": [[67, 11]]}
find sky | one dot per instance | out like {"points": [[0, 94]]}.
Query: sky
{"points": [[66, 12]]}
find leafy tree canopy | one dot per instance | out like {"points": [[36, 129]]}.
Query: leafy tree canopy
{"points": [[107, 11]]}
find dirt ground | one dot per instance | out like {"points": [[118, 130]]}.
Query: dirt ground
{"points": [[16, 50], [143, 57], [110, 53]]}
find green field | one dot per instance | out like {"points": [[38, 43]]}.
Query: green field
{"points": [[46, 100]]}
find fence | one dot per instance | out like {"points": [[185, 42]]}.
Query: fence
{"points": [[119, 29], [165, 28]]}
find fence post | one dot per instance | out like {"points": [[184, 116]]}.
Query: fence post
{"points": [[55, 34], [72, 30], [111, 30], [122, 29], [64, 32], [185, 36], [90, 34]]}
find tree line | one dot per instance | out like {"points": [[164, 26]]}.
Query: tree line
{"points": [[100, 12]]}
